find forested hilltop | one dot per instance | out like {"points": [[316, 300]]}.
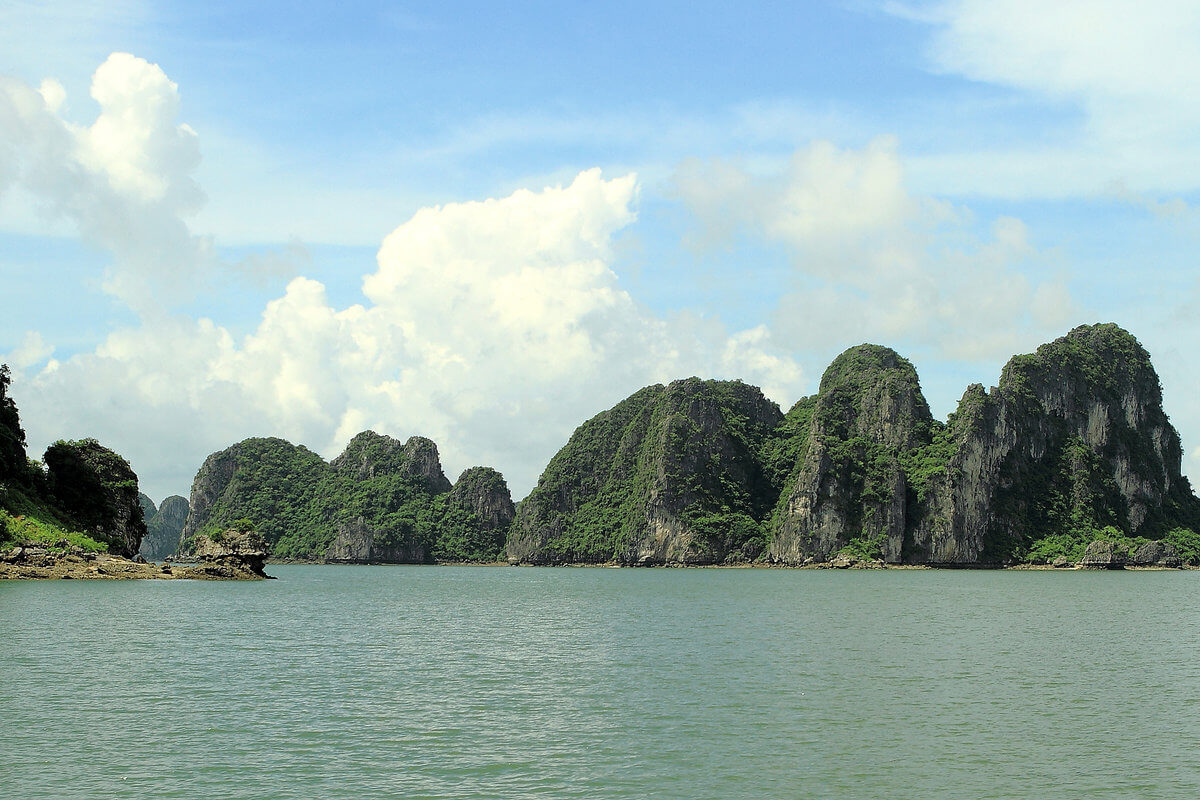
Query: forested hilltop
{"points": [[381, 500], [81, 496], [1071, 448]]}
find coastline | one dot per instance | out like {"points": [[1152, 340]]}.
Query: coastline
{"points": [[36, 563]]}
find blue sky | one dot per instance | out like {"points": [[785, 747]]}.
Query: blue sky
{"points": [[485, 223]]}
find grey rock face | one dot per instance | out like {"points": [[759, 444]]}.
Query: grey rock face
{"points": [[369, 454], [869, 411], [483, 492], [1104, 554], [212, 481], [359, 543], [1073, 431], [669, 475], [164, 529], [233, 551], [148, 507], [1156, 554]]}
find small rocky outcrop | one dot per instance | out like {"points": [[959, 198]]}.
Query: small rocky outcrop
{"points": [[232, 554], [1104, 554], [65, 562], [1156, 554], [358, 542]]}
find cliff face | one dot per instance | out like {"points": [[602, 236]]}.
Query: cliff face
{"points": [[671, 474], [379, 501], [97, 491], [369, 454], [476, 517], [1072, 447], [267, 480], [849, 488], [164, 527], [1072, 441]]}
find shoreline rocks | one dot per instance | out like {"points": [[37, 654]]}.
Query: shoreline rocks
{"points": [[241, 558]]}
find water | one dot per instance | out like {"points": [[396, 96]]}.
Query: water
{"points": [[446, 682]]}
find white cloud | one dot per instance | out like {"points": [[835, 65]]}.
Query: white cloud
{"points": [[124, 182], [874, 261], [1132, 69], [32, 350], [493, 327]]}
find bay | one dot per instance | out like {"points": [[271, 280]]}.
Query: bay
{"points": [[471, 682]]}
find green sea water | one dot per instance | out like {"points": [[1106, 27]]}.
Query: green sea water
{"points": [[449, 682]]}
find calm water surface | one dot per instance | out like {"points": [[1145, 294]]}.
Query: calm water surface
{"points": [[446, 682]]}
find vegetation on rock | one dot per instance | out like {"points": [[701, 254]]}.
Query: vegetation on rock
{"points": [[680, 473], [1071, 448], [380, 500], [85, 495]]}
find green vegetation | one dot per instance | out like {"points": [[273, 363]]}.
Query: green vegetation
{"points": [[298, 503], [700, 455], [1187, 542], [928, 463], [21, 530], [83, 486], [1103, 359]]}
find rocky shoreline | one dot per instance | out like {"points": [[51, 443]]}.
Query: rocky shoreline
{"points": [[231, 556], [36, 563]]}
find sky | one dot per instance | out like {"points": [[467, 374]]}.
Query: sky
{"points": [[486, 223]]}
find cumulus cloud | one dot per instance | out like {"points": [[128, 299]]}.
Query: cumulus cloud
{"points": [[493, 327], [1131, 68], [873, 261], [32, 350], [125, 182]]}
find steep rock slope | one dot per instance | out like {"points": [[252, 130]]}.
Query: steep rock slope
{"points": [[672, 474], [98, 492], [848, 489], [164, 527], [1072, 442], [267, 480], [83, 495]]}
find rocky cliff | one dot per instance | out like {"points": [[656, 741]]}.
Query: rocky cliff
{"points": [[82, 496], [164, 527], [849, 490], [1073, 441], [370, 454], [477, 514], [267, 480], [1071, 447], [98, 492], [379, 501], [672, 474]]}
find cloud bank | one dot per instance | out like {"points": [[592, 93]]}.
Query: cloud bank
{"points": [[493, 327], [874, 261]]}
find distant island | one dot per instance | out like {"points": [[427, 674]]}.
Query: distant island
{"points": [[1072, 449], [1068, 461]]}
